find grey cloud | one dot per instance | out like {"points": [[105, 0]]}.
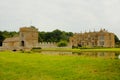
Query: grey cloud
{"points": [[68, 15]]}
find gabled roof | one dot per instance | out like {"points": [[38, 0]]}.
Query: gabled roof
{"points": [[13, 39]]}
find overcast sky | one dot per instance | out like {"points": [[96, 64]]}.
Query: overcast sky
{"points": [[67, 15]]}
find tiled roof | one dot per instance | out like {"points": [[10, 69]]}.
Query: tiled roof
{"points": [[13, 39]]}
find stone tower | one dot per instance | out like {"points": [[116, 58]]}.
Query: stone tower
{"points": [[28, 37]]}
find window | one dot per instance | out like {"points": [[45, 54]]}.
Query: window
{"points": [[101, 37], [101, 43]]}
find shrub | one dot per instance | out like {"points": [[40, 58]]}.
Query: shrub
{"points": [[62, 44], [36, 48]]}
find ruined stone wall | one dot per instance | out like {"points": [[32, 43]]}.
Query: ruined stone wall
{"points": [[51, 45], [11, 46], [1, 48], [11, 43]]}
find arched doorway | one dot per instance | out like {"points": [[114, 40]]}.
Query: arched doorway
{"points": [[22, 43]]}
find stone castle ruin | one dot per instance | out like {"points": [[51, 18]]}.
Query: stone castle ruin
{"points": [[27, 39]]}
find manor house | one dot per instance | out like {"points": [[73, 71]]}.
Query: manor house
{"points": [[27, 39], [100, 38]]}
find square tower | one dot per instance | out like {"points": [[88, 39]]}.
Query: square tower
{"points": [[28, 37]]}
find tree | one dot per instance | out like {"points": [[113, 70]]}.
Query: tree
{"points": [[41, 36], [54, 36], [116, 39], [1, 38], [57, 34]]}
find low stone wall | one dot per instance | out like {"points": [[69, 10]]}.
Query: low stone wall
{"points": [[1, 49], [51, 45], [42, 45], [47, 44]]}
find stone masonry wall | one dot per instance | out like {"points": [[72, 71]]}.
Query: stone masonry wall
{"points": [[51, 45]]}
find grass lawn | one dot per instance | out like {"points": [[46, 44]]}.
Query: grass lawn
{"points": [[34, 66]]}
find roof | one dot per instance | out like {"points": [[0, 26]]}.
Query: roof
{"points": [[13, 39], [29, 29]]}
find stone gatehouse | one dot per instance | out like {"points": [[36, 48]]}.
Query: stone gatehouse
{"points": [[100, 38], [27, 39]]}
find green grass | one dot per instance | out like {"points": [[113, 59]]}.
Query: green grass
{"points": [[34, 66]]}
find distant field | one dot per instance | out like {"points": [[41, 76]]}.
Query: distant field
{"points": [[34, 66]]}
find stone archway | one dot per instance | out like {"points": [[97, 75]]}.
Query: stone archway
{"points": [[22, 43]]}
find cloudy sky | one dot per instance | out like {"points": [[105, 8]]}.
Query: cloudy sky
{"points": [[67, 15]]}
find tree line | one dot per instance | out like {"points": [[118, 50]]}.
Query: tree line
{"points": [[54, 36]]}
